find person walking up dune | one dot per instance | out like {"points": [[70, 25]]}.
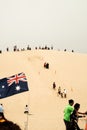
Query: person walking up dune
{"points": [[67, 112]]}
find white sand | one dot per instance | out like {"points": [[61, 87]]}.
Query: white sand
{"points": [[67, 69]]}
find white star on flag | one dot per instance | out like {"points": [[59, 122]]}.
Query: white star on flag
{"points": [[3, 86], [18, 88]]}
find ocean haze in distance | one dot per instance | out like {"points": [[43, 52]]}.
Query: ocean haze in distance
{"points": [[58, 23]]}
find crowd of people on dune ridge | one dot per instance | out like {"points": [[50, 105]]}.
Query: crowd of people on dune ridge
{"points": [[15, 48]]}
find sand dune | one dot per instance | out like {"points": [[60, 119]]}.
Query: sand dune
{"points": [[67, 69]]}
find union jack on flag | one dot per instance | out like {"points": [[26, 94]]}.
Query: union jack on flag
{"points": [[13, 85], [16, 78]]}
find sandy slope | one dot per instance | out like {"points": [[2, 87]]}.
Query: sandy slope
{"points": [[68, 70]]}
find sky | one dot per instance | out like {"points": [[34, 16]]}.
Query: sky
{"points": [[58, 23]]}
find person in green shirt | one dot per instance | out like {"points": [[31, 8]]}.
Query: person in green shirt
{"points": [[67, 112]]}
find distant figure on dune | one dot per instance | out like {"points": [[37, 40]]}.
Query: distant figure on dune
{"points": [[54, 85], [26, 109], [0, 51], [46, 65], [65, 93], [61, 94], [59, 90]]}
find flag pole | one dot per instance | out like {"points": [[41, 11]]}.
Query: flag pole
{"points": [[27, 111], [27, 114], [26, 123]]}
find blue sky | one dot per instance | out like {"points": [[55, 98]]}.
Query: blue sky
{"points": [[61, 23]]}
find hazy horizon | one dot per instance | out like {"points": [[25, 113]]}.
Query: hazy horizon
{"points": [[58, 23]]}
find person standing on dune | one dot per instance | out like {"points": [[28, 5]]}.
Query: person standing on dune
{"points": [[74, 117], [67, 112]]}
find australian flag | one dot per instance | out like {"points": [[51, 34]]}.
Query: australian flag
{"points": [[13, 85]]}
